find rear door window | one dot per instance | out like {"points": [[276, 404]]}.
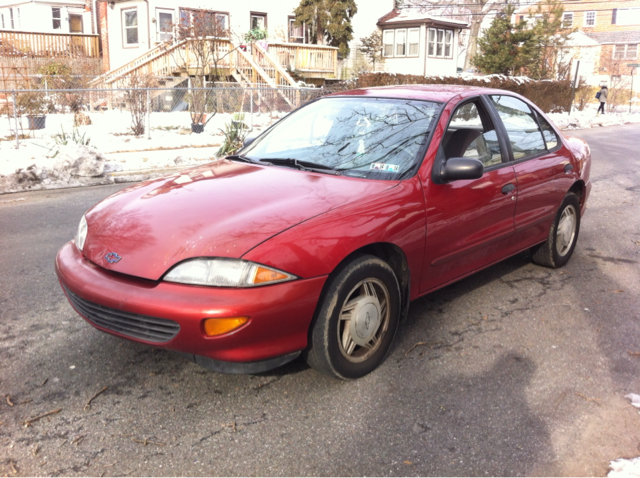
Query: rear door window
{"points": [[522, 128], [550, 136]]}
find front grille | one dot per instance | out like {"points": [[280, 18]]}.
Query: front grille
{"points": [[137, 326]]}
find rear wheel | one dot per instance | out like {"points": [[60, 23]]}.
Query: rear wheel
{"points": [[357, 319], [563, 235]]}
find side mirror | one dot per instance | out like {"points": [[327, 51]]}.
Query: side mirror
{"points": [[455, 169]]}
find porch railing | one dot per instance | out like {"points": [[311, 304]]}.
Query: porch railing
{"points": [[29, 44]]}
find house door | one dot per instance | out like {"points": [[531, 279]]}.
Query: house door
{"points": [[75, 26], [75, 23]]}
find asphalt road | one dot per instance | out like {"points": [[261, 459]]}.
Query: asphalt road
{"points": [[517, 370]]}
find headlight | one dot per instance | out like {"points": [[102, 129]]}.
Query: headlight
{"points": [[226, 273], [81, 235]]}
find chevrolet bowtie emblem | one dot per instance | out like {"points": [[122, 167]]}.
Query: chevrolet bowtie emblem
{"points": [[112, 258]]}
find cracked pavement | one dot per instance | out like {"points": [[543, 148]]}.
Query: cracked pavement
{"points": [[516, 370]]}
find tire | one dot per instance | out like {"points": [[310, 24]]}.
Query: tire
{"points": [[563, 235], [356, 319]]}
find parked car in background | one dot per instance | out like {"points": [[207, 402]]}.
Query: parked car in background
{"points": [[318, 235]]}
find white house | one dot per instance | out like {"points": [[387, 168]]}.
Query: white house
{"points": [[419, 43], [46, 16], [135, 26]]}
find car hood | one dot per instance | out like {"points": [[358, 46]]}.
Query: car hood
{"points": [[222, 209]]}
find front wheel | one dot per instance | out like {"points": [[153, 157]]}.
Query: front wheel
{"points": [[563, 235], [357, 319]]}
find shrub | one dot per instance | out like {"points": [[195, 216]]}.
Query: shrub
{"points": [[234, 133], [549, 96]]}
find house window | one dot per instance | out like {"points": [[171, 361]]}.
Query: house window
{"points": [[414, 41], [401, 43], [625, 52], [388, 42], [626, 16], [590, 19], [567, 20], [440, 43], [297, 34], [57, 19], [164, 20], [258, 21], [204, 22], [130, 27], [432, 42]]}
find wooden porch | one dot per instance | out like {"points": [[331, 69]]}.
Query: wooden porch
{"points": [[271, 65], [49, 45], [251, 66]]}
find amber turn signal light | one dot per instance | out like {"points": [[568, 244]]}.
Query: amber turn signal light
{"points": [[213, 327], [264, 275]]}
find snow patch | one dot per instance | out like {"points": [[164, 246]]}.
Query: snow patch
{"points": [[635, 399], [623, 468]]}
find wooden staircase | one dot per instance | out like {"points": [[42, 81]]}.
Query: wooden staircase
{"points": [[256, 68]]}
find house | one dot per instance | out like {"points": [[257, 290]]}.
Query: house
{"points": [[47, 16], [420, 43], [132, 27], [608, 30], [34, 32]]}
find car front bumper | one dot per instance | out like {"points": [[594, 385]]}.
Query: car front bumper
{"points": [[170, 315]]}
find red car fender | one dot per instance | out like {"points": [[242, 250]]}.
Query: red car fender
{"points": [[396, 216]]}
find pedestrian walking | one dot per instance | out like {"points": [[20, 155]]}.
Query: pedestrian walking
{"points": [[602, 96]]}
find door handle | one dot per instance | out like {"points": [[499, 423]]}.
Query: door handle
{"points": [[507, 188], [568, 168]]}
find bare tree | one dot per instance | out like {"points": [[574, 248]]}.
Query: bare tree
{"points": [[136, 97], [204, 55]]}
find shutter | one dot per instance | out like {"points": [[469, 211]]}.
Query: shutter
{"points": [[613, 16]]}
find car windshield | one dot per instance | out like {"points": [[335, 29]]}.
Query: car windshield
{"points": [[376, 138]]}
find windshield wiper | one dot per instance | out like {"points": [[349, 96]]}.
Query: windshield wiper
{"points": [[302, 165], [244, 159]]}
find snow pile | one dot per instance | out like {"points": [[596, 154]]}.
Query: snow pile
{"points": [[625, 468], [588, 119], [635, 399], [115, 154], [79, 160], [74, 165]]}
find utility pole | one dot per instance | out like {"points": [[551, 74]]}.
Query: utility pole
{"points": [[633, 67], [575, 85]]}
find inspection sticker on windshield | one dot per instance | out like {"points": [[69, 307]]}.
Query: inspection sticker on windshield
{"points": [[392, 168]]}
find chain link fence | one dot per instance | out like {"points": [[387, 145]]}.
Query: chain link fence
{"points": [[53, 108]]}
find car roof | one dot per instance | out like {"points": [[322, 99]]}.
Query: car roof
{"points": [[441, 93]]}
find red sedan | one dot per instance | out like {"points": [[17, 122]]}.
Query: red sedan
{"points": [[317, 236]]}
